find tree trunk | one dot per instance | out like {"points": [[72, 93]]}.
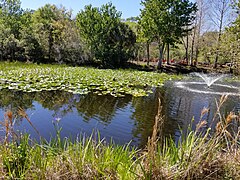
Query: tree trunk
{"points": [[168, 53], [148, 53], [161, 48], [1, 58], [222, 9], [203, 10], [50, 44], [186, 53], [218, 44], [193, 44]]}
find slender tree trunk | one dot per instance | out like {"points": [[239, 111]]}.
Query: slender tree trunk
{"points": [[218, 44], [192, 50], [168, 53], [148, 53], [198, 38], [193, 44], [161, 48], [222, 9], [138, 56], [186, 53], [1, 58], [50, 44], [12, 50], [203, 10]]}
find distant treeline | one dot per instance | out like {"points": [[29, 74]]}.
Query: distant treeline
{"points": [[98, 35], [51, 35]]}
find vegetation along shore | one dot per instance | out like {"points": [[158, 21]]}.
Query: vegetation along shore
{"points": [[96, 51]]}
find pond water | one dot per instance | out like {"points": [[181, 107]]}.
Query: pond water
{"points": [[122, 119]]}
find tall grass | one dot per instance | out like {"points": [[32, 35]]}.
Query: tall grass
{"points": [[197, 156]]}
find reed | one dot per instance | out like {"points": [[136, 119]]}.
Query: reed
{"points": [[197, 156]]}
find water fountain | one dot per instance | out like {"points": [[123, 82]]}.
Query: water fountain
{"points": [[211, 78], [187, 98], [208, 84]]}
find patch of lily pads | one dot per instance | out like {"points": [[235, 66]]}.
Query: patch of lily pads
{"points": [[79, 80]]}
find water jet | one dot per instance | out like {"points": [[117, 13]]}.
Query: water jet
{"points": [[210, 78], [208, 85]]}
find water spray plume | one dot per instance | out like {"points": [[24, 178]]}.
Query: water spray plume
{"points": [[210, 79]]}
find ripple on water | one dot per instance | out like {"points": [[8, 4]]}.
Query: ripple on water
{"points": [[201, 87]]}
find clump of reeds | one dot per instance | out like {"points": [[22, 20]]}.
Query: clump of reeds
{"points": [[198, 155], [85, 158], [7, 125]]}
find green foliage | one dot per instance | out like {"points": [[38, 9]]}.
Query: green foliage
{"points": [[196, 157], [10, 28], [110, 41], [15, 158], [230, 40], [46, 35], [11, 15], [207, 45], [33, 50], [166, 21], [80, 80], [56, 33]]}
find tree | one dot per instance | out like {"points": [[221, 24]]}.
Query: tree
{"points": [[198, 28], [10, 28], [11, 15], [166, 21], [33, 51], [220, 10], [145, 34], [55, 34], [230, 44], [230, 41], [46, 27], [110, 41], [207, 46]]}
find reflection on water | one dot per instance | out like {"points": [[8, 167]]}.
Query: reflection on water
{"points": [[183, 108], [122, 119]]}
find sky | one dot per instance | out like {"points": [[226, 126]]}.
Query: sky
{"points": [[128, 8]]}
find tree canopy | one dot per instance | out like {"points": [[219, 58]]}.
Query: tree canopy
{"points": [[111, 41], [99, 35], [166, 20]]}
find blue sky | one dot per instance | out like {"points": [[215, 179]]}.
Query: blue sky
{"points": [[127, 7]]}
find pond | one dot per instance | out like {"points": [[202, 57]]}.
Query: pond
{"points": [[122, 119]]}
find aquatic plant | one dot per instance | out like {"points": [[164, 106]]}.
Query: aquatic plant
{"points": [[79, 80]]}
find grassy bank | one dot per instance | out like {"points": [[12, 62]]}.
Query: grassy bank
{"points": [[197, 156], [80, 80]]}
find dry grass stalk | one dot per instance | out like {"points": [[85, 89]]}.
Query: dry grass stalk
{"points": [[203, 112], [231, 116], [8, 126], [219, 104], [200, 125], [150, 163], [157, 132], [219, 127], [21, 112]]}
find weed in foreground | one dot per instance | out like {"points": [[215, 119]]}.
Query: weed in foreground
{"points": [[198, 156]]}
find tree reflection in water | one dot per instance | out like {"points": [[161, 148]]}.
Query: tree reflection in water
{"points": [[123, 119]]}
